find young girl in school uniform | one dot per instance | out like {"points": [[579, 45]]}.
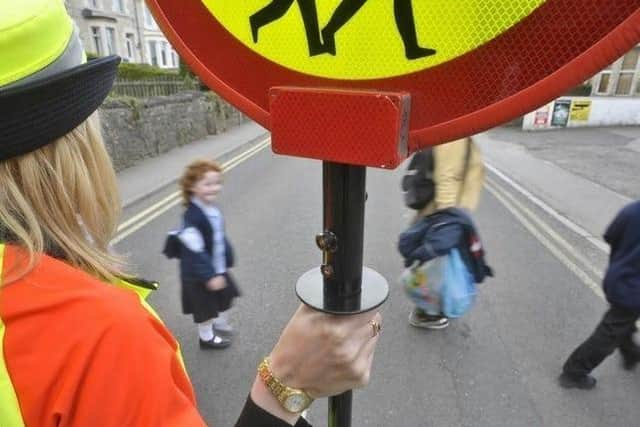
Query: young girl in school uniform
{"points": [[206, 255]]}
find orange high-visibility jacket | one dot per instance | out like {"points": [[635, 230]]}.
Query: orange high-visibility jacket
{"points": [[79, 352]]}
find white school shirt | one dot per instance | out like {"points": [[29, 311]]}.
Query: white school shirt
{"points": [[192, 238]]}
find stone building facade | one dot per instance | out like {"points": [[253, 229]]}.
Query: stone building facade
{"points": [[122, 27]]}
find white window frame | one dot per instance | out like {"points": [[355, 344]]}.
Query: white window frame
{"points": [[164, 54], [115, 6], [615, 71], [98, 39], [160, 47], [152, 50], [596, 88], [149, 21], [111, 43], [634, 72], [130, 46]]}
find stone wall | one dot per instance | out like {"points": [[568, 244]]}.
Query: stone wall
{"points": [[136, 129]]}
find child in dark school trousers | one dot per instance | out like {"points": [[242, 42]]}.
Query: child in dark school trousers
{"points": [[206, 255], [622, 288]]}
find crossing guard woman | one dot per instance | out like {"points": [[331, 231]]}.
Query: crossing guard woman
{"points": [[67, 309]]}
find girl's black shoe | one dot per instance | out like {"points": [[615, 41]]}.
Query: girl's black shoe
{"points": [[216, 342]]}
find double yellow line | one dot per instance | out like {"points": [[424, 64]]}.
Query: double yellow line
{"points": [[559, 247], [144, 217]]}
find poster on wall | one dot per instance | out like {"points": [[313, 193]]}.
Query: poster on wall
{"points": [[541, 117], [580, 110], [561, 110]]}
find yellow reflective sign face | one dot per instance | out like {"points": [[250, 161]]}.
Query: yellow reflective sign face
{"points": [[366, 39]]}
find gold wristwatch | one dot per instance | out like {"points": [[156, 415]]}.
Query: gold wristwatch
{"points": [[292, 399]]}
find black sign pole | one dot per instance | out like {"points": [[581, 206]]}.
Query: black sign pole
{"points": [[343, 216], [341, 285]]}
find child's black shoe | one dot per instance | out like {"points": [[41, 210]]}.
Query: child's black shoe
{"points": [[216, 342], [629, 362], [583, 382]]}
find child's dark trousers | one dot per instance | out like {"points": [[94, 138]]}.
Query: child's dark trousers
{"points": [[615, 331]]}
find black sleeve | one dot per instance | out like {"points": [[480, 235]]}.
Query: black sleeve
{"points": [[254, 416]]}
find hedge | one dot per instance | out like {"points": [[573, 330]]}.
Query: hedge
{"points": [[131, 71]]}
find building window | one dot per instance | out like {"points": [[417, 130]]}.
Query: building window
{"points": [[149, 22], [95, 4], [625, 80], [163, 53], [630, 60], [111, 41], [174, 58], [153, 53], [96, 34], [130, 42], [118, 6], [628, 71], [603, 85]]}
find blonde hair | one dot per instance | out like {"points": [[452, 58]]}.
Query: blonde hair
{"points": [[194, 173], [62, 198]]}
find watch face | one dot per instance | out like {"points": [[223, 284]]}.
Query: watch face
{"points": [[297, 402]]}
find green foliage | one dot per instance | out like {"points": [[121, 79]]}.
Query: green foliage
{"points": [[185, 71], [135, 105], [131, 71], [212, 97]]}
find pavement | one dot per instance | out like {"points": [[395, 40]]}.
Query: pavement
{"points": [[156, 173], [586, 175]]}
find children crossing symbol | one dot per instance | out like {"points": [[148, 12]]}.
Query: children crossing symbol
{"points": [[323, 40]]}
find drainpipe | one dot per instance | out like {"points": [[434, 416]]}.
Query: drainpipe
{"points": [[140, 39]]}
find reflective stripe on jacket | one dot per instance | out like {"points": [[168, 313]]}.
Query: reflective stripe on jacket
{"points": [[10, 409]]}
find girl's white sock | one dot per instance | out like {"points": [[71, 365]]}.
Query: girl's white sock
{"points": [[205, 330]]}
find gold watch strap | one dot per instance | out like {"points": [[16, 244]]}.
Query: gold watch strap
{"points": [[278, 389]]}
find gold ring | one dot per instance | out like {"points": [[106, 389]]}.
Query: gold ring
{"points": [[376, 327]]}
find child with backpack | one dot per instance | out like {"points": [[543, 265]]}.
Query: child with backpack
{"points": [[441, 179], [208, 289]]}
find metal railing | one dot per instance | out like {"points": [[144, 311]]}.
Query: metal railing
{"points": [[158, 86]]}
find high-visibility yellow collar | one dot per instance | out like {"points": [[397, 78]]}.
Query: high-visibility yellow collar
{"points": [[140, 286]]}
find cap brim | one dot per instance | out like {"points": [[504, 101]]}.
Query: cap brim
{"points": [[41, 111]]}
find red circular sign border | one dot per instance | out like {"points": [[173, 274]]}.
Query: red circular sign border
{"points": [[200, 34]]}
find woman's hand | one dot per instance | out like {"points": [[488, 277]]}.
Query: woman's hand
{"points": [[217, 283], [324, 354], [321, 354]]}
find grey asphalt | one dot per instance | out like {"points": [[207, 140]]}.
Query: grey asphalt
{"points": [[587, 174], [494, 367]]}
